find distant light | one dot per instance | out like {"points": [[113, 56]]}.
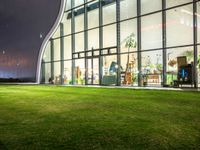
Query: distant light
{"points": [[4, 52], [41, 36]]}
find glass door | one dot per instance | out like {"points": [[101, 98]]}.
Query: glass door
{"points": [[93, 71]]}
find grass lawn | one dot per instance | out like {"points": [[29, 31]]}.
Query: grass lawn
{"points": [[50, 117]]}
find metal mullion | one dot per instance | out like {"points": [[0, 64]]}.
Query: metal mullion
{"points": [[52, 59], [139, 41], [62, 52], [195, 32], [42, 77], [86, 40], [100, 41], [73, 42], [118, 42], [164, 38]]}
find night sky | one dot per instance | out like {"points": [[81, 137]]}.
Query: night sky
{"points": [[21, 23]]}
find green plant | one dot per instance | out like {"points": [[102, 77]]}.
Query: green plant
{"points": [[134, 77], [189, 54], [159, 67], [130, 42]]}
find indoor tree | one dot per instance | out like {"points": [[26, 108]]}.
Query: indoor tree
{"points": [[129, 42]]}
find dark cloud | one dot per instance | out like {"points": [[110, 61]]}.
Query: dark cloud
{"points": [[21, 22]]}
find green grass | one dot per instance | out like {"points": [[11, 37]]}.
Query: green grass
{"points": [[51, 117]]}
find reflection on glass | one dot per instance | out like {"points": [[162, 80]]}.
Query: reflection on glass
{"points": [[179, 21], [148, 6], [151, 31], [128, 9], [111, 10], [171, 3]]}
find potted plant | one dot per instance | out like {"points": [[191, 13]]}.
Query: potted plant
{"points": [[130, 42]]}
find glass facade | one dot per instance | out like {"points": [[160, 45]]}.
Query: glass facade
{"points": [[125, 42]]}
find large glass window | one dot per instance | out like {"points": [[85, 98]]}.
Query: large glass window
{"points": [[79, 23], [180, 26], [198, 66], [93, 17], [79, 42], [151, 31], [47, 53], [109, 13], [93, 39], [93, 71], [171, 3], [57, 75], [79, 71], [128, 9], [177, 58], [128, 34], [179, 34], [148, 6], [67, 48], [67, 72], [67, 24], [47, 72], [78, 2], [56, 49], [152, 66], [57, 33], [68, 5], [129, 69], [109, 69], [198, 21], [109, 36]]}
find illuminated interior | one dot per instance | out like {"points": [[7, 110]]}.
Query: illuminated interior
{"points": [[125, 42]]}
